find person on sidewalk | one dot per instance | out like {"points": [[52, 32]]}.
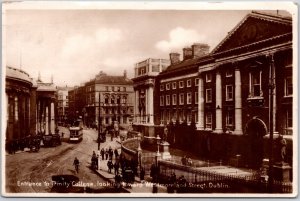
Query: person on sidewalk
{"points": [[116, 153], [116, 167], [106, 154], [109, 165], [118, 181], [102, 152]]}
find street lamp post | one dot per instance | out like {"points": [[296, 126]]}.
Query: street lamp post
{"points": [[157, 153], [271, 123], [139, 137]]}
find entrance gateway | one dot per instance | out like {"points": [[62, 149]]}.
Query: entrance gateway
{"points": [[255, 130]]}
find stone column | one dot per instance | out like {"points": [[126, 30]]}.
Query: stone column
{"points": [[136, 107], [150, 105], [52, 118], [46, 119], [145, 116], [238, 103], [37, 116], [219, 128], [200, 125]]}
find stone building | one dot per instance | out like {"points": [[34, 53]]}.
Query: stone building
{"points": [[62, 104], [116, 97], [30, 105], [226, 93], [144, 87]]}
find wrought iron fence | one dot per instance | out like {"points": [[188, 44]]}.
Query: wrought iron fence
{"points": [[199, 179]]}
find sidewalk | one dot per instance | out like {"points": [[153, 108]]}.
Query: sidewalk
{"points": [[137, 187]]}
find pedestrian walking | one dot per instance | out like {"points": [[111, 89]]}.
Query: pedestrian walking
{"points": [[102, 152], [116, 153], [106, 154], [76, 164], [111, 153], [116, 167], [109, 165]]}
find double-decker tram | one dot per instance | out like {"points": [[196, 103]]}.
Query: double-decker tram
{"points": [[76, 131]]}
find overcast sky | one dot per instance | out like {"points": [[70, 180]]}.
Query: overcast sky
{"points": [[74, 45]]}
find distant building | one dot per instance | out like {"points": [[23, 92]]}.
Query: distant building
{"points": [[62, 104], [116, 100]]}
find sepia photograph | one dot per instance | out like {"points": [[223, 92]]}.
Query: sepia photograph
{"points": [[159, 99]]}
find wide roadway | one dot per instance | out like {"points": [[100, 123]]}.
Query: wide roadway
{"points": [[30, 172]]}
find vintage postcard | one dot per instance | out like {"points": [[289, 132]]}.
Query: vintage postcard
{"points": [[139, 99]]}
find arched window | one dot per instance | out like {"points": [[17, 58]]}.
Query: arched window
{"points": [[112, 99]]}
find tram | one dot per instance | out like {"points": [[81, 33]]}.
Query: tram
{"points": [[76, 131]]}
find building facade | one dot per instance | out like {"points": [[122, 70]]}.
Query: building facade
{"points": [[116, 97], [62, 104], [234, 94], [144, 82], [30, 105], [178, 86]]}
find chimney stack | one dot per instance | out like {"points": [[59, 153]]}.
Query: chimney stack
{"points": [[187, 53], [200, 49], [174, 58], [125, 74]]}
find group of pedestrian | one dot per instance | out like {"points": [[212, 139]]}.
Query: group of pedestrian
{"points": [[30, 142], [108, 153]]}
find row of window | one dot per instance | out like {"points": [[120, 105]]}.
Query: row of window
{"points": [[181, 84], [208, 97], [208, 78], [181, 116], [113, 88], [181, 99]]}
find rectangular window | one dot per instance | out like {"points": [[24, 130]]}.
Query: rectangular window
{"points": [[255, 84], [289, 118], [124, 88], [196, 98], [228, 73], [167, 99], [208, 77], [188, 83], [197, 82], [196, 116], [208, 120], [189, 98], [229, 119], [208, 95], [161, 87], [168, 86], [161, 101], [181, 85], [174, 85], [289, 86], [229, 92], [113, 88], [174, 99], [181, 99], [189, 117]]}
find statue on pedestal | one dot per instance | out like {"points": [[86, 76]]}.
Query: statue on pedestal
{"points": [[281, 149]]}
